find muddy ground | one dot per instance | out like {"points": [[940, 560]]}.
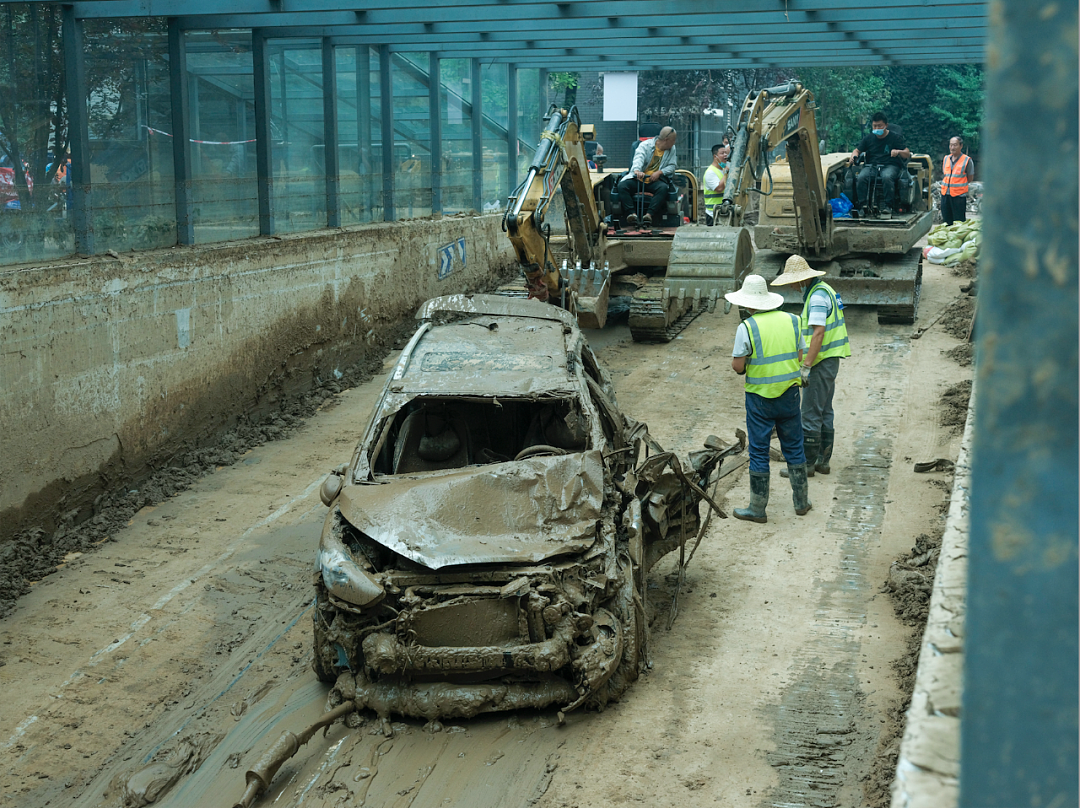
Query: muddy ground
{"points": [[169, 652]]}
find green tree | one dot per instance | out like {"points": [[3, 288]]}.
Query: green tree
{"points": [[845, 98], [958, 101]]}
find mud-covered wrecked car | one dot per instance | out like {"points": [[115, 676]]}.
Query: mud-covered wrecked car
{"points": [[487, 545]]}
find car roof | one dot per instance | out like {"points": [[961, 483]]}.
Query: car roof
{"points": [[496, 305], [488, 355]]}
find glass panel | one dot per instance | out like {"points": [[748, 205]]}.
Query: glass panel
{"points": [[494, 98], [358, 129], [221, 96], [412, 135], [130, 123], [528, 120], [296, 131], [34, 221], [456, 110]]}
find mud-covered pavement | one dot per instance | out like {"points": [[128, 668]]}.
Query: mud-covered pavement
{"points": [[158, 666]]}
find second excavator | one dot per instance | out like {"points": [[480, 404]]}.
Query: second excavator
{"points": [[870, 259]]}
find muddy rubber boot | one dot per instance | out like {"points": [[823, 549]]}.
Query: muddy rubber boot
{"points": [[811, 442], [800, 494], [822, 465], [759, 498]]}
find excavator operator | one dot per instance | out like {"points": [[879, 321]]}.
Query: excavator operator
{"points": [[886, 152], [654, 165]]}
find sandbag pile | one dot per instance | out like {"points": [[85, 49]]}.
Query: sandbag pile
{"points": [[951, 244]]}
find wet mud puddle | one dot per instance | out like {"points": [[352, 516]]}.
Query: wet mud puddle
{"points": [[816, 719]]}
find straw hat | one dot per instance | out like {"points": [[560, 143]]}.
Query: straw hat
{"points": [[755, 294], [796, 269]]}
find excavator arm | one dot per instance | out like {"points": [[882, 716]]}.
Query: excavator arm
{"points": [[768, 118], [559, 162]]}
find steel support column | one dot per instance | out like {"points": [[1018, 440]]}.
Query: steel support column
{"points": [[477, 121], [363, 124], [330, 134], [1019, 722], [264, 148], [386, 118], [181, 142], [82, 211], [511, 126], [543, 94], [435, 116]]}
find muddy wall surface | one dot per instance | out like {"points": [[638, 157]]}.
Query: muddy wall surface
{"points": [[112, 364]]}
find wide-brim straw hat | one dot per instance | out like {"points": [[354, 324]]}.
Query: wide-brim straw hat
{"points": [[755, 294], [796, 269]]}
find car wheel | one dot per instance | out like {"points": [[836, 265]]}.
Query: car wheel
{"points": [[324, 652], [629, 608]]}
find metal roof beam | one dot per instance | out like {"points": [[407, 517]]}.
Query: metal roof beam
{"points": [[535, 11], [684, 25]]}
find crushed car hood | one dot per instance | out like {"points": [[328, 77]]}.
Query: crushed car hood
{"points": [[516, 512]]}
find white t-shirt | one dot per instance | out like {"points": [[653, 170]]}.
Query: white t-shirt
{"points": [[820, 308], [712, 181]]}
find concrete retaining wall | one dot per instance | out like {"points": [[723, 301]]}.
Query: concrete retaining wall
{"points": [[928, 771], [109, 363]]}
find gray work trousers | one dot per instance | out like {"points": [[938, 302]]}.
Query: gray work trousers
{"points": [[817, 408]]}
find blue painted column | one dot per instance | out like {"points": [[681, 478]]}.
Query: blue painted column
{"points": [[78, 131], [511, 126], [386, 118], [435, 116], [181, 118], [477, 120], [264, 147], [330, 134], [1019, 727]]}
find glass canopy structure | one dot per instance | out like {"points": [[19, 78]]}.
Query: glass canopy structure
{"points": [[151, 123]]}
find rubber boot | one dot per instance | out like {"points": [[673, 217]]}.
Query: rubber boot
{"points": [[811, 442], [759, 498], [827, 436], [800, 494]]}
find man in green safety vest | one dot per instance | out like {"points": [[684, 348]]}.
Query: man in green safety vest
{"points": [[825, 330], [713, 182], [768, 351]]}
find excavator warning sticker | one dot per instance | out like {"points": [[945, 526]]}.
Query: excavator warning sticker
{"points": [[451, 257]]}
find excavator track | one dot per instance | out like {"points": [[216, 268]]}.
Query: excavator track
{"points": [[705, 263], [651, 317]]}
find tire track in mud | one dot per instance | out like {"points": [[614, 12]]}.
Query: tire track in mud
{"points": [[819, 714]]}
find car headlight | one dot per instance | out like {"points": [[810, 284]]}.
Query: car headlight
{"points": [[345, 579]]}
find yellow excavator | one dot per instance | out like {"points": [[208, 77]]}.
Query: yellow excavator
{"points": [[688, 268], [869, 258]]}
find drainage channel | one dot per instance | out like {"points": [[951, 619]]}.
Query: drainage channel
{"points": [[816, 719]]}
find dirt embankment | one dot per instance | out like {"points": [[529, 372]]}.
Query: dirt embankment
{"points": [[33, 554], [954, 405]]}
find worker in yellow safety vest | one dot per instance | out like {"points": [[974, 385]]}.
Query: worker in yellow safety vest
{"points": [[824, 328], [713, 182], [958, 170], [768, 350]]}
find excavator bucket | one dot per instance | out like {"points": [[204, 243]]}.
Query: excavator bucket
{"points": [[705, 264], [590, 288]]}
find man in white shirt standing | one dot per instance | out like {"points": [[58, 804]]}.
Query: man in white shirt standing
{"points": [[714, 181]]}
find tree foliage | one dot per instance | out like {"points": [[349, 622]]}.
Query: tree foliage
{"points": [[845, 98]]}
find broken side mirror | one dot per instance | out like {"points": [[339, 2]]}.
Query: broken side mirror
{"points": [[333, 484]]}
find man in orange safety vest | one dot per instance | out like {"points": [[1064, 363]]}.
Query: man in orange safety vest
{"points": [[958, 170]]}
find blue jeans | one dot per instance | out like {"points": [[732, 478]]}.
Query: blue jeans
{"points": [[762, 414]]}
